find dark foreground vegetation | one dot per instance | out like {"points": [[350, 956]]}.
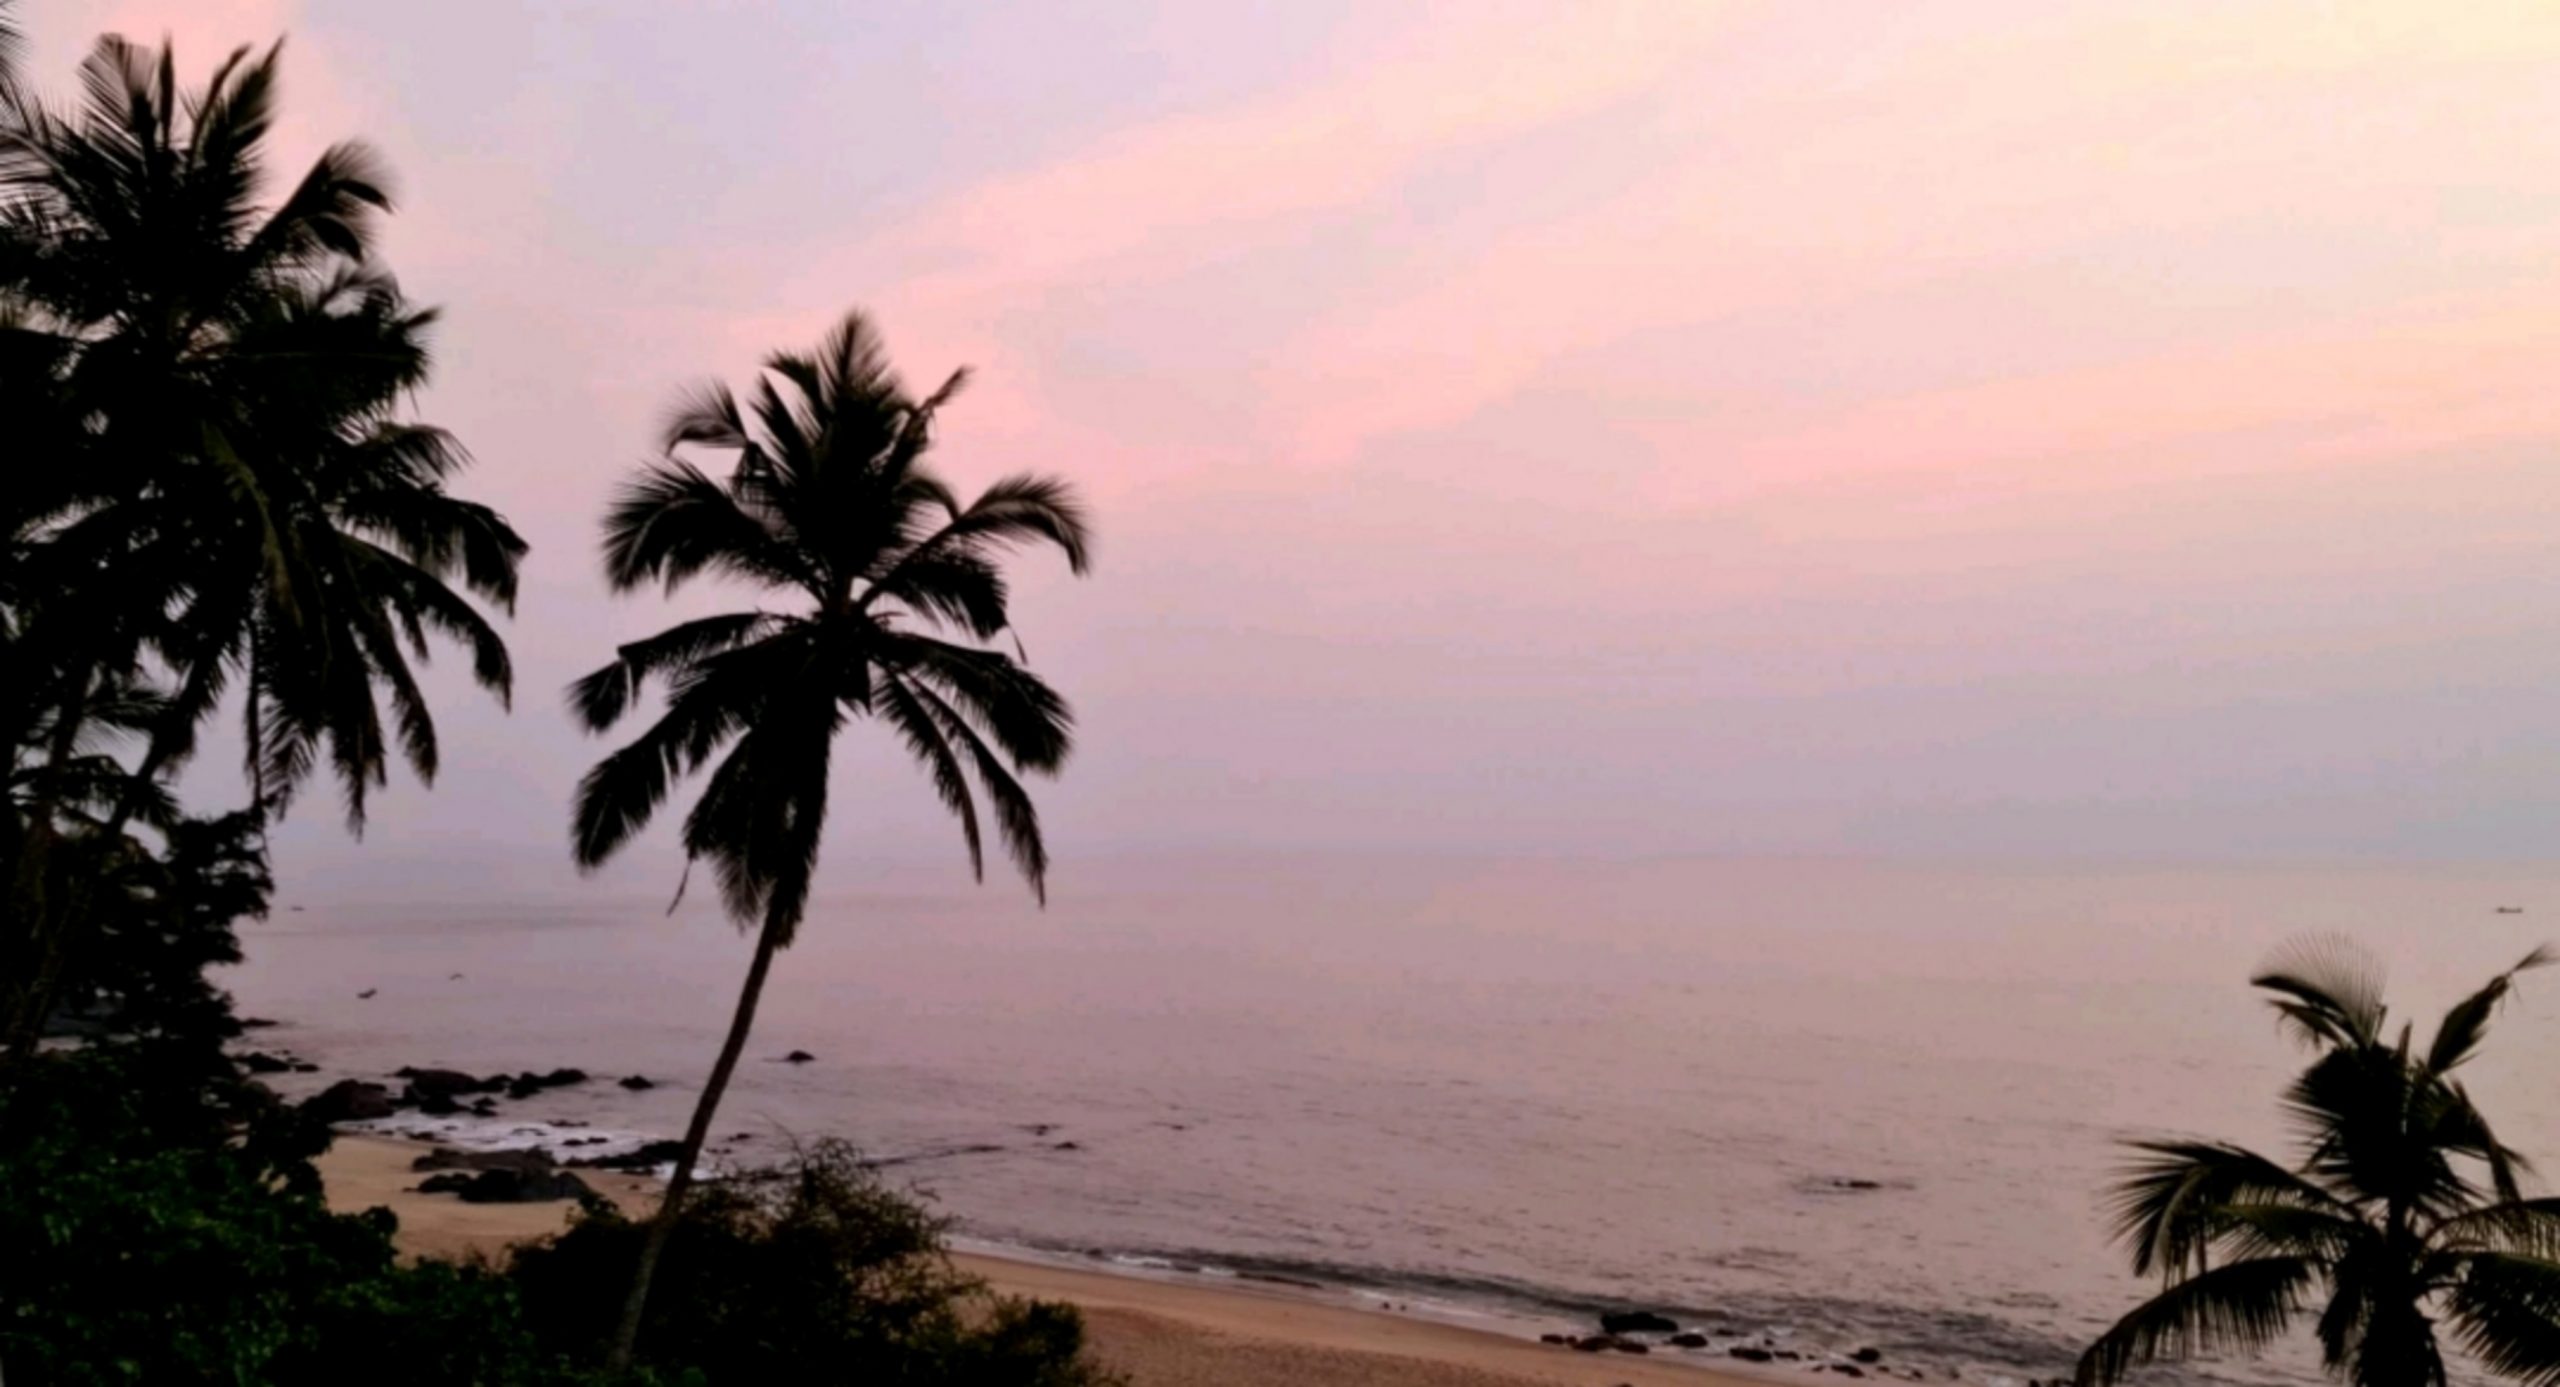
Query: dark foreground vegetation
{"points": [[165, 1225], [215, 504]]}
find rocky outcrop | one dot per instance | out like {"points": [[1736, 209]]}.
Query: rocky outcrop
{"points": [[527, 1160], [445, 1081], [648, 1156], [527, 1084], [1637, 1322], [501, 1186], [349, 1100]]}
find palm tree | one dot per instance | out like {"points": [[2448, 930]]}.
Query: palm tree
{"points": [[219, 490], [9, 41], [891, 589], [2404, 1208]]}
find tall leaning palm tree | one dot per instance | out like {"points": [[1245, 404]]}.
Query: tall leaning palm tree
{"points": [[888, 593], [2403, 1209]]}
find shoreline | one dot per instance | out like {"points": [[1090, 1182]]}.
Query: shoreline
{"points": [[1157, 1330]]}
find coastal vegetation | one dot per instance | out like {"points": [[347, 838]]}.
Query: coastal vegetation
{"points": [[2404, 1209], [218, 502], [216, 490], [896, 587]]}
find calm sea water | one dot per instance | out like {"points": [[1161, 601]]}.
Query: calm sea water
{"points": [[1848, 1102]]}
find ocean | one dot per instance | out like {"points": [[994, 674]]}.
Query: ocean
{"points": [[1834, 1102]]}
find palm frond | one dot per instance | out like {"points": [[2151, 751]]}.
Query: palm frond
{"points": [[925, 738], [619, 795], [2169, 1205], [2327, 988], [2458, 1035], [2240, 1305], [1029, 719], [672, 523], [2530, 1227], [2506, 1312], [1017, 818], [600, 699]]}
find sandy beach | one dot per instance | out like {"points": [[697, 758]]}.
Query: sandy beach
{"points": [[1159, 1333]]}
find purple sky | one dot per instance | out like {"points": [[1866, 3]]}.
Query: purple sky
{"points": [[1986, 428]]}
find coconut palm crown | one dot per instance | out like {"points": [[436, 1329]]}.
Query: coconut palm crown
{"points": [[830, 502], [220, 475], [2404, 1209]]}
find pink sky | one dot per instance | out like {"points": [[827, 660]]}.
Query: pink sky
{"points": [[1987, 428]]}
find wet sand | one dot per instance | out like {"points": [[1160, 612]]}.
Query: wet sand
{"points": [[1158, 1333]]}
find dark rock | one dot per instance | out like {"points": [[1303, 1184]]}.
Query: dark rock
{"points": [[1691, 1340], [445, 1081], [637, 1082], [528, 1083], [303, 1067], [255, 1023], [433, 1102], [1749, 1354], [645, 1157], [1629, 1346], [1593, 1344], [527, 1161], [260, 1062], [1637, 1322], [1068, 1146], [1855, 1183], [484, 1107], [508, 1186], [1868, 1355], [1555, 1338], [742, 1136], [1846, 1370], [1788, 1354], [350, 1100], [798, 1057]]}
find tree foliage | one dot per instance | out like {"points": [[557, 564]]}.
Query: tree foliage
{"points": [[812, 1271], [2402, 1210], [214, 491]]}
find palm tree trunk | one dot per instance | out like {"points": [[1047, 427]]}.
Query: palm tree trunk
{"points": [[53, 923], [627, 1333], [38, 919]]}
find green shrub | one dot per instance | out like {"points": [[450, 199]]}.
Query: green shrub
{"points": [[814, 1272], [162, 1229]]}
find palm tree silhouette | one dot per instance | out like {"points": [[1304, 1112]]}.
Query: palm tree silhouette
{"points": [[221, 491], [830, 502], [2404, 1206]]}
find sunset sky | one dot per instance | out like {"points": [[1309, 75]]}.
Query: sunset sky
{"points": [[1985, 429]]}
